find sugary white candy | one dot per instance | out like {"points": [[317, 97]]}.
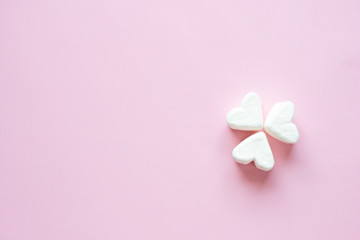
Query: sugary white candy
{"points": [[255, 148], [279, 124], [249, 116]]}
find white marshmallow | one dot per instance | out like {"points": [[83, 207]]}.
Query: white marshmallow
{"points": [[279, 124], [255, 148], [249, 116]]}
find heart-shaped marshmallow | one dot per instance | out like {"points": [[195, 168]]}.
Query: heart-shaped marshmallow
{"points": [[279, 123], [249, 116], [255, 148]]}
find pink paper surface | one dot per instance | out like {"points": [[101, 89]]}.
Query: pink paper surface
{"points": [[112, 119]]}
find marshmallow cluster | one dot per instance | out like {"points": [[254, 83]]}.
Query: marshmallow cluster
{"points": [[278, 124]]}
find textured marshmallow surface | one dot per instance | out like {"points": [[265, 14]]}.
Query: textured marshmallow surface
{"points": [[249, 116], [279, 123], [255, 148]]}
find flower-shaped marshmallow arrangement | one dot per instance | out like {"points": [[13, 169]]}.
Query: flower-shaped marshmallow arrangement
{"points": [[278, 124]]}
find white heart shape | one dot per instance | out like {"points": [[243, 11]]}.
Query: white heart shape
{"points": [[255, 148], [249, 116], [279, 123]]}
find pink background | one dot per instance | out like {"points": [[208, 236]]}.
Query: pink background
{"points": [[113, 123]]}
